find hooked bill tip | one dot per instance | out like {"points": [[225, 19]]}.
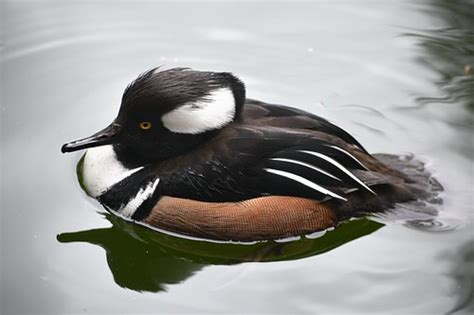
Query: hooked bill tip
{"points": [[68, 147], [75, 146], [64, 148]]}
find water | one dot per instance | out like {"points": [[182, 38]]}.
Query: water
{"points": [[397, 74]]}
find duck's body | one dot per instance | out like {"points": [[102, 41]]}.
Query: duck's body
{"points": [[236, 171]]}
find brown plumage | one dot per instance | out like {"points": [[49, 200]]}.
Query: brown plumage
{"points": [[249, 220]]}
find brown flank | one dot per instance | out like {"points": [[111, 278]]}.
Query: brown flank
{"points": [[254, 219]]}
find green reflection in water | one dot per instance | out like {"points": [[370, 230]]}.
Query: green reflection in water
{"points": [[144, 260]]}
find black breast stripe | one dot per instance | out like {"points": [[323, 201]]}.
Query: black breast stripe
{"points": [[145, 208]]}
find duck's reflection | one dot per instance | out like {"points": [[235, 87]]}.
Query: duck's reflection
{"points": [[135, 263], [145, 260]]}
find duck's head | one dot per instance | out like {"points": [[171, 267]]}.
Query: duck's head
{"points": [[166, 113]]}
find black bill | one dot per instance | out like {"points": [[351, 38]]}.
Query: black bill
{"points": [[103, 137]]}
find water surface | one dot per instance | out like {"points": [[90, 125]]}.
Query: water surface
{"points": [[397, 74]]}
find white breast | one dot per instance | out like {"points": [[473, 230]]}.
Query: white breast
{"points": [[102, 170]]}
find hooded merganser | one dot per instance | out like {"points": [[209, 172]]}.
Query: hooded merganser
{"points": [[188, 153]]}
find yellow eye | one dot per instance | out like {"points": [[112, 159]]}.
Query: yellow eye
{"points": [[145, 125]]}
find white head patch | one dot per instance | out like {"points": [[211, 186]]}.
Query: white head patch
{"points": [[215, 112], [102, 170]]}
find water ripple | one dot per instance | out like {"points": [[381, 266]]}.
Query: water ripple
{"points": [[432, 225]]}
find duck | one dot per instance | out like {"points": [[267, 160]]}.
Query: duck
{"points": [[189, 154]]}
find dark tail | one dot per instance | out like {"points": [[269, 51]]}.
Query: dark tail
{"points": [[420, 182]]}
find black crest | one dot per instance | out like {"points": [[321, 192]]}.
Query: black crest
{"points": [[177, 86]]}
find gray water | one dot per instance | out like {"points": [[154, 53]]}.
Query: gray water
{"points": [[398, 75]]}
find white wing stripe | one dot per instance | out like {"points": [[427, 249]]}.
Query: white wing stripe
{"points": [[305, 182], [348, 154], [342, 168], [306, 165]]}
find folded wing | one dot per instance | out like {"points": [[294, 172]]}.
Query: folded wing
{"points": [[315, 169]]}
